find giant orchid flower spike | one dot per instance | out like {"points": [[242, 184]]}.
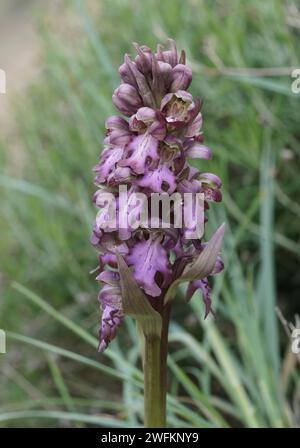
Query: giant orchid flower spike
{"points": [[147, 150]]}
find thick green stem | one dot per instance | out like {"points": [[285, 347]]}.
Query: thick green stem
{"points": [[153, 394], [155, 375]]}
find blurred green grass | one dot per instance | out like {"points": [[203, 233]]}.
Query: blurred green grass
{"points": [[235, 371]]}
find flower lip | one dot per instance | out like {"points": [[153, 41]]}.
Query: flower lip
{"points": [[149, 258], [140, 150]]}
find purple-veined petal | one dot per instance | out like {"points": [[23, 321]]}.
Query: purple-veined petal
{"points": [[195, 126], [159, 180], [198, 151], [203, 285], [127, 99], [136, 304], [141, 149], [211, 179], [181, 77], [149, 258]]}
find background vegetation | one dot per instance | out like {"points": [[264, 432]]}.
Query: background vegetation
{"points": [[237, 370]]}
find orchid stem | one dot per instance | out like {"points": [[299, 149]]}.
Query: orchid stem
{"points": [[155, 375]]}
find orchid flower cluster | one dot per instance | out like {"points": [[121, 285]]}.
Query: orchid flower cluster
{"points": [[148, 149]]}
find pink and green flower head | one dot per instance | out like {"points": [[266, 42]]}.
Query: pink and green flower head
{"points": [[148, 148]]}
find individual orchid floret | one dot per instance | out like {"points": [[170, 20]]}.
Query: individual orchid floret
{"points": [[108, 160], [144, 58], [195, 150], [194, 128], [127, 99], [169, 56], [148, 120], [203, 285], [111, 304], [117, 130], [179, 108], [181, 78], [211, 186]]}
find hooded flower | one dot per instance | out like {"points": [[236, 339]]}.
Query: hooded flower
{"points": [[179, 108], [148, 149], [150, 121]]}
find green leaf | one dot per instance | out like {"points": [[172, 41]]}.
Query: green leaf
{"points": [[98, 420], [266, 84], [204, 264], [206, 261]]}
